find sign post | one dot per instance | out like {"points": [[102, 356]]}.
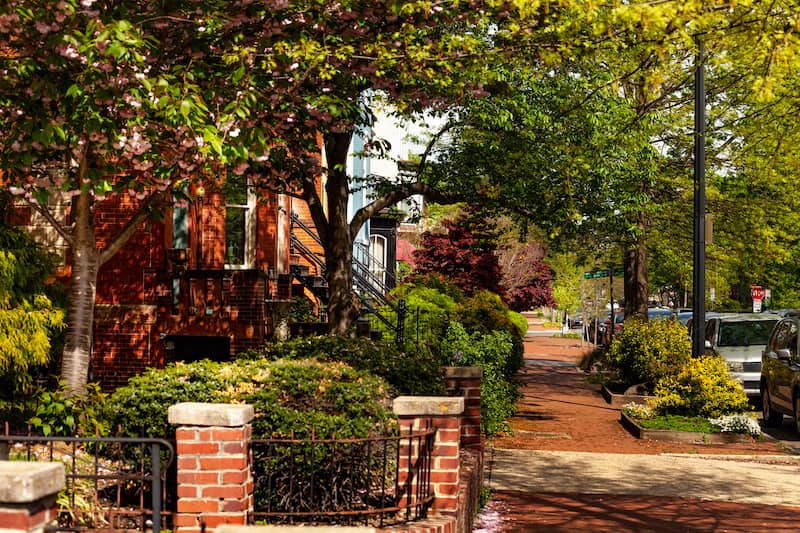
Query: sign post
{"points": [[757, 292]]}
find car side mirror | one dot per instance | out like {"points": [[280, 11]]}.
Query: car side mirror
{"points": [[784, 354]]}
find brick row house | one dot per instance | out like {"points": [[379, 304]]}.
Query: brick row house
{"points": [[209, 280], [212, 277]]}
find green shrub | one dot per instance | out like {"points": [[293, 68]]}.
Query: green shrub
{"points": [[485, 312], [287, 396], [56, 413], [140, 407], [499, 392], [702, 387], [520, 321], [645, 352], [416, 373]]}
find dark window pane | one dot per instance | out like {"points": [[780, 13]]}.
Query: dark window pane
{"points": [[234, 235]]}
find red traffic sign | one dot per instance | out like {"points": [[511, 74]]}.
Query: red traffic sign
{"points": [[757, 292]]}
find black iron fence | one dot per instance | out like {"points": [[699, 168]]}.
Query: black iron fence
{"points": [[374, 481], [111, 483]]}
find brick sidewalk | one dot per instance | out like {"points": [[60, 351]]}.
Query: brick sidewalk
{"points": [[519, 512], [564, 414]]}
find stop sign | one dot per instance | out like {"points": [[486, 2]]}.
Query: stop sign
{"points": [[757, 292]]}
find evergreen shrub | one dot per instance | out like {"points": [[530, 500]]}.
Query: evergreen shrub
{"points": [[499, 391], [288, 396]]}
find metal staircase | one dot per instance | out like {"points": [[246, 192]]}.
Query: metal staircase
{"points": [[371, 289]]}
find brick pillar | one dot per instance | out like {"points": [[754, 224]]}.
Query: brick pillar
{"points": [[465, 381], [28, 495], [215, 481], [444, 414]]}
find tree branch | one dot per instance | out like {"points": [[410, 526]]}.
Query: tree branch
{"points": [[127, 231]]}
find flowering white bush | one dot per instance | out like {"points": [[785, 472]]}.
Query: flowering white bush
{"points": [[637, 410], [744, 424]]}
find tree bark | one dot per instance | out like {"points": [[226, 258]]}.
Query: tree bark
{"points": [[636, 275], [343, 305], [80, 311]]}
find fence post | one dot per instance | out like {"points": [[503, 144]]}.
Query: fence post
{"points": [[465, 381], [444, 414], [28, 495], [215, 479]]}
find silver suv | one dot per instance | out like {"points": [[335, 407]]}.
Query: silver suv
{"points": [[740, 338], [780, 374]]}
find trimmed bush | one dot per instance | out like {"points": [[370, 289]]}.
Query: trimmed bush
{"points": [[646, 352], [702, 387], [287, 396]]}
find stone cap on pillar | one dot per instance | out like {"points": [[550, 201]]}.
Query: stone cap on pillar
{"points": [[463, 371], [428, 405], [210, 414], [27, 482]]}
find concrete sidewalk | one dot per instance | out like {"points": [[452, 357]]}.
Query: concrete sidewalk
{"points": [[768, 480]]}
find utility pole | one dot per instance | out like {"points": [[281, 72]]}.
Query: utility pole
{"points": [[699, 272]]}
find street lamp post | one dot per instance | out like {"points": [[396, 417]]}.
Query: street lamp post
{"points": [[699, 272]]}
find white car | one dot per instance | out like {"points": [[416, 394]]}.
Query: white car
{"points": [[741, 338]]}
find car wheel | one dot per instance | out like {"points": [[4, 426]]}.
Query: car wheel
{"points": [[797, 413], [771, 417]]}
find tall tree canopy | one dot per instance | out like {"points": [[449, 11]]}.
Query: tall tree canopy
{"points": [[139, 97]]}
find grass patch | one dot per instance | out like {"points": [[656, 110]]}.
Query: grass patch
{"points": [[696, 424], [566, 335]]}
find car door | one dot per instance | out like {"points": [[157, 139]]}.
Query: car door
{"points": [[770, 364], [783, 368]]}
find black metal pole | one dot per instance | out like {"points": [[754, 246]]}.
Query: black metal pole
{"points": [[699, 272]]}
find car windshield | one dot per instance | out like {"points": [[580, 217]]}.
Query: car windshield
{"points": [[745, 333], [659, 314]]}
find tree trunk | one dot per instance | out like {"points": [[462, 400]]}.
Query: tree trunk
{"points": [[80, 312], [636, 277], [343, 305]]}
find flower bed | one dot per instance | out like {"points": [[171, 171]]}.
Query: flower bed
{"points": [[635, 429]]}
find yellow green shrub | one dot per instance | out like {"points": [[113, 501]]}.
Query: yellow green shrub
{"points": [[702, 387], [645, 352]]}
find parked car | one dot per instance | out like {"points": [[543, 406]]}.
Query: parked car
{"points": [[780, 374], [659, 313], [604, 328], [741, 338]]}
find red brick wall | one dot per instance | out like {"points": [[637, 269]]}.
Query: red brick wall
{"points": [[134, 291]]}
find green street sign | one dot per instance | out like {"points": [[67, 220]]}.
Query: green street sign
{"points": [[603, 273]]}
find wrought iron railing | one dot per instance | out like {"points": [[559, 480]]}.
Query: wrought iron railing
{"points": [[112, 483], [372, 289], [373, 481]]}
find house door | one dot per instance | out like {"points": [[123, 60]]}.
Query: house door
{"points": [[189, 348]]}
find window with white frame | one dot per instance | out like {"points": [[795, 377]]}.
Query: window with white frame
{"points": [[240, 218], [377, 260]]}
